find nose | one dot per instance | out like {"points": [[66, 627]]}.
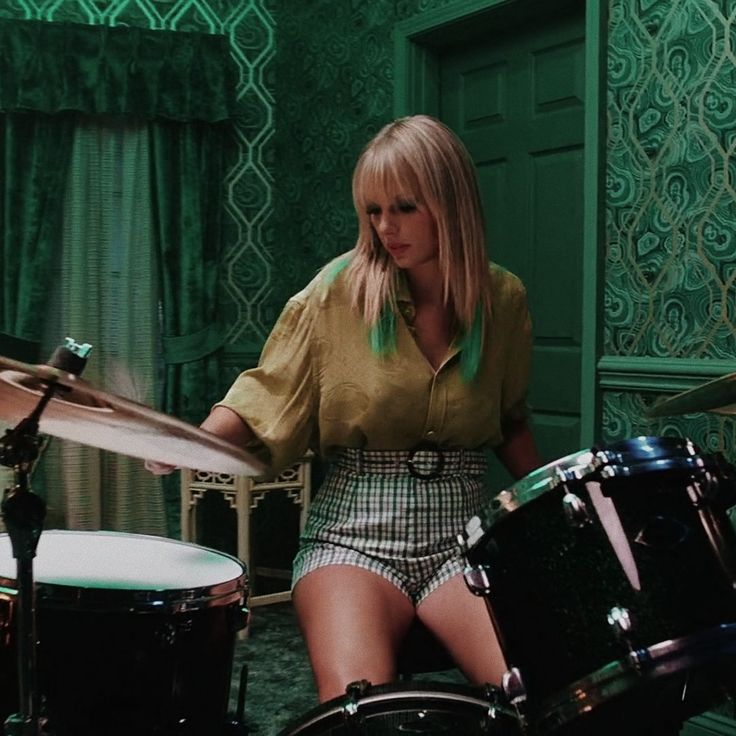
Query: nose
{"points": [[386, 223]]}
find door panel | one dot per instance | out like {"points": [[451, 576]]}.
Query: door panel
{"points": [[516, 98]]}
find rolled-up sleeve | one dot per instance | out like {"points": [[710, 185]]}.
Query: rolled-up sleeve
{"points": [[277, 399]]}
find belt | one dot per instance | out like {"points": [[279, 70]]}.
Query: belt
{"points": [[424, 461]]}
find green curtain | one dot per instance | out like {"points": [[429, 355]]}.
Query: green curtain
{"points": [[187, 167], [183, 86], [34, 155], [115, 70]]}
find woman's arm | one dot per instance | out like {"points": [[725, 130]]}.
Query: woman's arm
{"points": [[224, 423], [518, 451]]}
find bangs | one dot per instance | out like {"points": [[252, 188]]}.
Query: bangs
{"points": [[383, 172]]}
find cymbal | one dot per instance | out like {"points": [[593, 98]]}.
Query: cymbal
{"points": [[717, 396], [83, 414]]}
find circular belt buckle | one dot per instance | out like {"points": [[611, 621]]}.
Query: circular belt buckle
{"points": [[416, 472]]}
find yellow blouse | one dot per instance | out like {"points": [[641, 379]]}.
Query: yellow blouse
{"points": [[319, 385]]}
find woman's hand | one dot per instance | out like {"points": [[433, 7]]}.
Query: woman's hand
{"points": [[157, 468]]}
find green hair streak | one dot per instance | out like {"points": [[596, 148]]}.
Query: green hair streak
{"points": [[382, 335], [471, 348]]}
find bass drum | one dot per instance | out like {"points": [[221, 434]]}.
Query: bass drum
{"points": [[408, 708], [136, 633]]}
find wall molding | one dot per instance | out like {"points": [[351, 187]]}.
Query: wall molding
{"points": [[663, 375], [709, 724]]}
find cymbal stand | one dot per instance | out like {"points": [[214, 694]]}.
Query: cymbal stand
{"points": [[23, 513]]}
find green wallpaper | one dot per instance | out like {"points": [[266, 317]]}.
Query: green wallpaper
{"points": [[670, 268], [671, 203]]}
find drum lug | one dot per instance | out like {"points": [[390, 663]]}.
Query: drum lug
{"points": [[478, 579], [576, 512], [355, 692], [639, 657], [620, 619], [513, 687], [241, 617], [623, 625]]}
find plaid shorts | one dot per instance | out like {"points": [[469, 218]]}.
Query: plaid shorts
{"points": [[375, 512]]}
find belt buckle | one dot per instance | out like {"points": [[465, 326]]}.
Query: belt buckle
{"points": [[416, 472]]}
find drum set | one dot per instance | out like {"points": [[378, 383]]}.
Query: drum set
{"points": [[609, 577], [111, 633]]}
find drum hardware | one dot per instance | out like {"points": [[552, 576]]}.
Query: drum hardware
{"points": [[619, 619], [576, 512], [411, 708], [512, 685], [478, 579], [24, 512], [355, 691]]}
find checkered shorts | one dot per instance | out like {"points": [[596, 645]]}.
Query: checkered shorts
{"points": [[373, 512]]}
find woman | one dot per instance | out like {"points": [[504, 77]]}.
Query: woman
{"points": [[399, 362]]}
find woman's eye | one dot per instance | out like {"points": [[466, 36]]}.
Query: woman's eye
{"points": [[373, 211], [407, 206]]}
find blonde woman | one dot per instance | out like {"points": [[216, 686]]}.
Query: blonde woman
{"points": [[400, 363]]}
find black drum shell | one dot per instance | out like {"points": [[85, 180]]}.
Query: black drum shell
{"points": [[155, 662], [553, 584]]}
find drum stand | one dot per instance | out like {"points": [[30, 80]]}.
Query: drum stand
{"points": [[24, 512]]}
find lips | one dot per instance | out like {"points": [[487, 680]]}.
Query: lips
{"points": [[397, 248]]}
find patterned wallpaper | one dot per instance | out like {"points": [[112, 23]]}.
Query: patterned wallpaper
{"points": [[671, 198], [671, 201]]}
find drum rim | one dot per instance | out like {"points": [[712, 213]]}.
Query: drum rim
{"points": [[618, 677], [164, 600], [392, 692], [590, 463], [537, 483]]}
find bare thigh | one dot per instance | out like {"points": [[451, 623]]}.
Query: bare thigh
{"points": [[352, 621], [460, 620]]}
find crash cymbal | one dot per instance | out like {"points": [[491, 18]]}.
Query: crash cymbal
{"points": [[717, 396], [92, 417]]}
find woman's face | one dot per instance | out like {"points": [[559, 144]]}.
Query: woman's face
{"points": [[405, 228]]}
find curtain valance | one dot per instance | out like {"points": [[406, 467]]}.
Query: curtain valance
{"points": [[115, 70]]}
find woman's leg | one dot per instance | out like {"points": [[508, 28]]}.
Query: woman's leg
{"points": [[352, 621], [460, 620]]}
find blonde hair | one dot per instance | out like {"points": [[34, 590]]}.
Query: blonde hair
{"points": [[421, 156]]}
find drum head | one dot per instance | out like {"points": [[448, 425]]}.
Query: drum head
{"points": [[408, 708], [99, 568]]}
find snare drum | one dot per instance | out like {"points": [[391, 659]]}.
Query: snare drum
{"points": [[136, 633], [609, 570], [408, 708]]}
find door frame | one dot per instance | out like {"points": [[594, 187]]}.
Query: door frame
{"points": [[418, 42]]}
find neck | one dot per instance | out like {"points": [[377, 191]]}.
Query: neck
{"points": [[425, 284]]}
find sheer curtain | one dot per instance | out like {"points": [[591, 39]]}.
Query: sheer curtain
{"points": [[180, 89], [103, 291]]}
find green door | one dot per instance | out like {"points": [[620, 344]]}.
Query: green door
{"points": [[516, 99]]}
